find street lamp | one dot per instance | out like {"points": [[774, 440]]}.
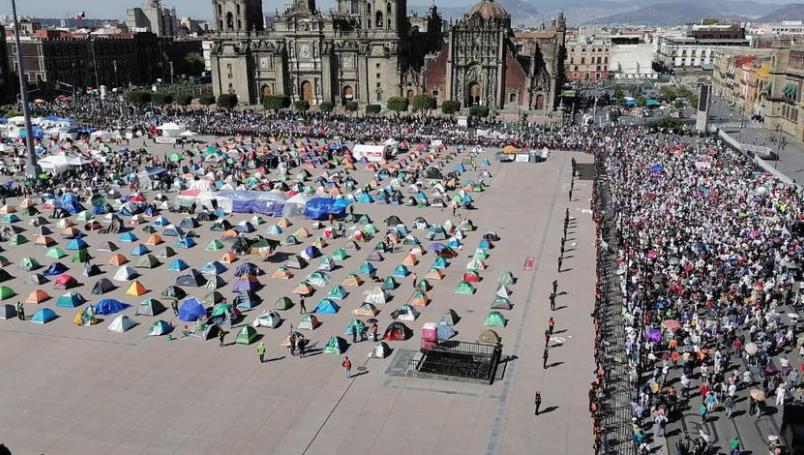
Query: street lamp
{"points": [[31, 168]]}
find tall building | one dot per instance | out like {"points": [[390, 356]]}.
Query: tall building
{"points": [[154, 18], [697, 47], [785, 103], [588, 58], [369, 50], [6, 82]]}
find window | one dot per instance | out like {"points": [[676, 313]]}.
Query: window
{"points": [[388, 7], [379, 84], [379, 96], [379, 75], [512, 97], [606, 60], [572, 60], [378, 19], [378, 66], [434, 93], [583, 60]]}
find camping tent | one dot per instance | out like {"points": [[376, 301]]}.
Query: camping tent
{"points": [[465, 288], [381, 350], [191, 310], [150, 307], [44, 316], [160, 327], [337, 293], [309, 322], [101, 286], [268, 318], [246, 335], [109, 306], [366, 309], [489, 336], [397, 331], [336, 345], [283, 303], [494, 319], [7, 311], [121, 324], [326, 306], [445, 330], [70, 300]]}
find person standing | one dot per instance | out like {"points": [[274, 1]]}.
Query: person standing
{"points": [[537, 402], [374, 329], [560, 261], [174, 305], [347, 365], [20, 311], [354, 333], [551, 323], [300, 346], [302, 306], [552, 302], [261, 352], [292, 344], [555, 287], [221, 335], [415, 279], [545, 356]]}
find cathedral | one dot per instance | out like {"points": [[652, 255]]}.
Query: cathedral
{"points": [[370, 50]]}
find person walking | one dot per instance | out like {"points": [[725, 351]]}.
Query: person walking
{"points": [[302, 306], [560, 261], [221, 335], [300, 346], [555, 287], [545, 355], [374, 329], [415, 279], [292, 344], [551, 323], [20, 310], [537, 402], [261, 352], [347, 365], [354, 333], [174, 305], [552, 302]]}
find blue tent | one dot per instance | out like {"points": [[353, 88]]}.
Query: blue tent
{"points": [[76, 244], [656, 168], [214, 267], [191, 310], [367, 268], [70, 300], [320, 208], [70, 203], [445, 331], [177, 265], [140, 250], [161, 222], [401, 271], [312, 252], [110, 306], [127, 237], [326, 306], [55, 269], [43, 316], [185, 242], [247, 267], [38, 133]]}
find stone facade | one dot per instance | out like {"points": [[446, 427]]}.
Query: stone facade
{"points": [[369, 50]]}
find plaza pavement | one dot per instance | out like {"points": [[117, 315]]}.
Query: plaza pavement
{"points": [[84, 390]]}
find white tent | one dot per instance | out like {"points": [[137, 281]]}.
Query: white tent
{"points": [[121, 324], [268, 318], [369, 152], [54, 163], [171, 129], [376, 296], [125, 273]]}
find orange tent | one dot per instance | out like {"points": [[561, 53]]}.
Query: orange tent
{"points": [[229, 234], [283, 222], [117, 259], [70, 232], [37, 296], [410, 260], [136, 289], [228, 258], [282, 273], [154, 240], [44, 240]]}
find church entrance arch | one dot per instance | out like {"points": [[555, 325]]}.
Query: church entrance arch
{"points": [[267, 90], [410, 96], [473, 94], [306, 91], [540, 103]]}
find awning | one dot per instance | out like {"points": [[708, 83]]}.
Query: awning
{"points": [[790, 90]]}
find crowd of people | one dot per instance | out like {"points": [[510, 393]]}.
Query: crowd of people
{"points": [[708, 265]]}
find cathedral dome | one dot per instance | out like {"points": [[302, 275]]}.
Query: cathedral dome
{"points": [[488, 10]]}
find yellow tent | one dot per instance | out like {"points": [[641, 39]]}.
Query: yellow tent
{"points": [[136, 289]]}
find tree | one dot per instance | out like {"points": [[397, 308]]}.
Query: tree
{"points": [[160, 98], [619, 96], [479, 111], [668, 92], [207, 100], [184, 100], [670, 123], [450, 107], [397, 104], [373, 109], [351, 106], [138, 97], [275, 102], [423, 102], [640, 101], [227, 101], [326, 107], [301, 105]]}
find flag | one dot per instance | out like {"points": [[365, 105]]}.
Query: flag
{"points": [[80, 16]]}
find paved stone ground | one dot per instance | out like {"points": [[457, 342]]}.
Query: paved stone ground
{"points": [[67, 389]]}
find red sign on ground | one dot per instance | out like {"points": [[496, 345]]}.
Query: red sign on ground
{"points": [[529, 262]]}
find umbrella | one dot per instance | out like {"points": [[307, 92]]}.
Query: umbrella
{"points": [[757, 394], [671, 324], [751, 348]]}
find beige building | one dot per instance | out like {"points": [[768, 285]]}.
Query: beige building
{"points": [[784, 104], [369, 50]]}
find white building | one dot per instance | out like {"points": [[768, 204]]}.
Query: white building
{"points": [[697, 46], [153, 18]]}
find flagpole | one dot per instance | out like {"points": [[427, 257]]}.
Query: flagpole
{"points": [[31, 168]]}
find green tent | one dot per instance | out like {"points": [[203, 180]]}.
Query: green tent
{"points": [[148, 262], [340, 254], [506, 278], [380, 246], [213, 298], [149, 229], [17, 239], [176, 157], [480, 254], [222, 309], [494, 319], [246, 335], [55, 253], [465, 288], [84, 216], [214, 245], [6, 292], [370, 229], [29, 264], [389, 284], [440, 263], [337, 293], [336, 345], [283, 303], [81, 256], [423, 285]]}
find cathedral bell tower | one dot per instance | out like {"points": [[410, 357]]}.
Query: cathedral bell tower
{"points": [[238, 16]]}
